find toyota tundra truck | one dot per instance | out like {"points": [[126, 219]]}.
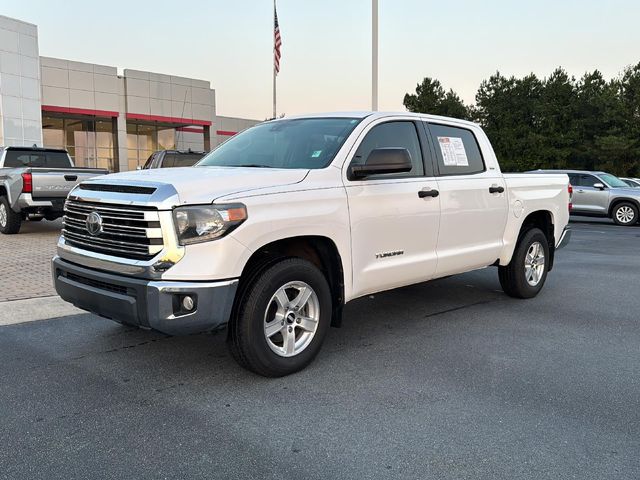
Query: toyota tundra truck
{"points": [[273, 232], [34, 183]]}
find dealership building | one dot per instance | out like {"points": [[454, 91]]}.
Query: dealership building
{"points": [[103, 118]]}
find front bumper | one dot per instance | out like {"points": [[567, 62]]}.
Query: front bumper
{"points": [[564, 238], [148, 304]]}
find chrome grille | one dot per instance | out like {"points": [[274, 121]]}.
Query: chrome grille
{"points": [[127, 231]]}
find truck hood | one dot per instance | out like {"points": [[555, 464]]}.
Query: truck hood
{"points": [[206, 184]]}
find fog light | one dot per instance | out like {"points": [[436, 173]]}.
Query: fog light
{"points": [[188, 303]]}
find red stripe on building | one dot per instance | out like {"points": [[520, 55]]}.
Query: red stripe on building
{"points": [[79, 111], [225, 132], [159, 118], [190, 129]]}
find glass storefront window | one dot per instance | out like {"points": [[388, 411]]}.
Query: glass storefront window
{"points": [[143, 139], [89, 141]]}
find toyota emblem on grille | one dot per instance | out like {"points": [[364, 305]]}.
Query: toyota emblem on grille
{"points": [[94, 223]]}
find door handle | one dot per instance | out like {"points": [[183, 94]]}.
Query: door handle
{"points": [[496, 189], [428, 193], [580, 191]]}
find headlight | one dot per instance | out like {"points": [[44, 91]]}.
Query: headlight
{"points": [[207, 222]]}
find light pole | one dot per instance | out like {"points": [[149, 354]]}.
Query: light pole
{"points": [[374, 55]]}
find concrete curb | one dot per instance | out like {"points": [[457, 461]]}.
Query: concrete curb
{"points": [[33, 309]]}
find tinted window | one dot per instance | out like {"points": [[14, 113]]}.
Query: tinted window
{"points": [[574, 180], [588, 180], [297, 143], [180, 160], [30, 158], [392, 135], [149, 161], [457, 150]]}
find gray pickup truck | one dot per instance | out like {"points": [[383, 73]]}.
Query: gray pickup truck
{"points": [[34, 183]]}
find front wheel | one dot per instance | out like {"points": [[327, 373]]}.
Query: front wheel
{"points": [[10, 221], [282, 319], [526, 273], [625, 214]]}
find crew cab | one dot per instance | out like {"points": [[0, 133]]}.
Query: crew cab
{"points": [[34, 183], [274, 231]]}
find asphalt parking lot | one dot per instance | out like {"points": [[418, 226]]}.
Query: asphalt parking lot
{"points": [[449, 379]]}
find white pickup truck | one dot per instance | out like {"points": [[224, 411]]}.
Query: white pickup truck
{"points": [[275, 230]]}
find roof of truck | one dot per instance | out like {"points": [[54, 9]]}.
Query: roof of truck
{"points": [[365, 114]]}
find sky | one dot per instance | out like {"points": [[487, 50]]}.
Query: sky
{"points": [[326, 53]]}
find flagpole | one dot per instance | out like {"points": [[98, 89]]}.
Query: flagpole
{"points": [[374, 55], [274, 65]]}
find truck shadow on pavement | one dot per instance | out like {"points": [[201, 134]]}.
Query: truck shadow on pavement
{"points": [[372, 322]]}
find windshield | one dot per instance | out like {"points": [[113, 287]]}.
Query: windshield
{"points": [[36, 158], [301, 143], [180, 159], [613, 181]]}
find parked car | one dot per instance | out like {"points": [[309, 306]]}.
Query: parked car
{"points": [[173, 158], [632, 182], [34, 183], [279, 227], [600, 194]]}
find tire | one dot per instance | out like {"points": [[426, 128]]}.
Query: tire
{"points": [[524, 277], [625, 214], [295, 334], [10, 221]]}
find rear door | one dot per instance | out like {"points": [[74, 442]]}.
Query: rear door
{"points": [[473, 201], [394, 229], [587, 198]]}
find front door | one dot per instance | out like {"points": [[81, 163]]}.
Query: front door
{"points": [[394, 229], [587, 198], [473, 202]]}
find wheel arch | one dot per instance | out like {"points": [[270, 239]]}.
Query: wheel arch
{"points": [[317, 249], [542, 219], [618, 201]]}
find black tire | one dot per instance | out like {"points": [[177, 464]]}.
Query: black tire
{"points": [[513, 277], [247, 339], [622, 211], [10, 221]]}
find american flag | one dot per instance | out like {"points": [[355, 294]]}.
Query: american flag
{"points": [[277, 41]]}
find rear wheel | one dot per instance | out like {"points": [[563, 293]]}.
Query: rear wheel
{"points": [[9, 220], [625, 214], [282, 319], [526, 273]]}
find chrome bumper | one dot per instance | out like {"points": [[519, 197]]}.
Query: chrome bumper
{"points": [[148, 304], [564, 238]]}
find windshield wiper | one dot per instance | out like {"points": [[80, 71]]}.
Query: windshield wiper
{"points": [[252, 165]]}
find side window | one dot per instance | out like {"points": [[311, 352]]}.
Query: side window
{"points": [[574, 180], [389, 135], [147, 164], [457, 150], [588, 181]]}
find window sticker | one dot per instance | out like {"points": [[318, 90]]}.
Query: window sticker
{"points": [[453, 152], [316, 154]]}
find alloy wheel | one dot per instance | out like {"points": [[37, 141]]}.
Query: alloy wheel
{"points": [[3, 215], [534, 262], [625, 214], [291, 318]]}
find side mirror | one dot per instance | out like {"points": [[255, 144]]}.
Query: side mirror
{"points": [[383, 160], [599, 186]]}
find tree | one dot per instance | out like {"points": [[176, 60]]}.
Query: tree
{"points": [[557, 122], [430, 97]]}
